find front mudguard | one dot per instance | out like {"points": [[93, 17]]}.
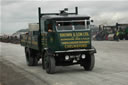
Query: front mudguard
{"points": [[94, 50], [50, 52]]}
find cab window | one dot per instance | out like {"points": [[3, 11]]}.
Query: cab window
{"points": [[48, 26], [70, 25]]}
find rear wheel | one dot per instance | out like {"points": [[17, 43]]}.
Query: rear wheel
{"points": [[49, 62], [30, 57], [89, 62]]}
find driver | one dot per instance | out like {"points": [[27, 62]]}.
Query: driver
{"points": [[50, 28]]}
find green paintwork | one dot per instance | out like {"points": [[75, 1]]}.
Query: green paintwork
{"points": [[29, 41], [58, 41]]}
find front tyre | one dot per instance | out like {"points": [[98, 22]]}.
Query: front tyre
{"points": [[89, 62], [49, 61]]}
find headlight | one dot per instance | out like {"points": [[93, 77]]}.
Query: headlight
{"points": [[67, 57], [83, 56]]}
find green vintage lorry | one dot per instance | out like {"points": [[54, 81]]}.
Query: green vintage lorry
{"points": [[59, 39]]}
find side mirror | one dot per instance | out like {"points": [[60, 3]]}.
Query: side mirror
{"points": [[92, 20]]}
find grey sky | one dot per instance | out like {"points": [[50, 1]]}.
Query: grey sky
{"points": [[16, 14]]}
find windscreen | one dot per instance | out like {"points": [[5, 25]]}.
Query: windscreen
{"points": [[70, 25]]}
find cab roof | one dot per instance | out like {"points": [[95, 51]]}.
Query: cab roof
{"points": [[65, 17]]}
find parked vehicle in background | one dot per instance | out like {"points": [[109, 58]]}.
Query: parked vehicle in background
{"points": [[123, 31]]}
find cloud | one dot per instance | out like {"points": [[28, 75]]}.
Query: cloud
{"points": [[16, 14]]}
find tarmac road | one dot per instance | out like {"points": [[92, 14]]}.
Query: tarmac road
{"points": [[111, 66]]}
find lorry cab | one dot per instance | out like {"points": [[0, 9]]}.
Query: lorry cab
{"points": [[66, 33]]}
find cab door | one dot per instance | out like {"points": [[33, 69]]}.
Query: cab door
{"points": [[47, 34]]}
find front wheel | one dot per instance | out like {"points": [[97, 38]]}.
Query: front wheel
{"points": [[89, 62], [49, 62]]}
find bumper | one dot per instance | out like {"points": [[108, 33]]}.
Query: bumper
{"points": [[77, 50]]}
